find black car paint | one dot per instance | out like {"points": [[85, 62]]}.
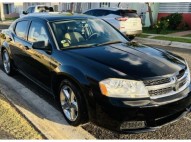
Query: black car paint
{"points": [[87, 66]]}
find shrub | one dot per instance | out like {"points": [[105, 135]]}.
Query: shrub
{"points": [[161, 25], [174, 20]]}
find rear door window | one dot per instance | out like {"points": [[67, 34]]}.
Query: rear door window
{"points": [[21, 29], [37, 32]]}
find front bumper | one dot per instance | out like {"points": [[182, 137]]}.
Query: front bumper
{"points": [[113, 113]]}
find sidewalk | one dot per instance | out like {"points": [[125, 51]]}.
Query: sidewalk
{"points": [[177, 39], [181, 33], [8, 22]]}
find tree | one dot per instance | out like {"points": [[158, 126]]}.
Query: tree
{"points": [[150, 14], [118, 4]]}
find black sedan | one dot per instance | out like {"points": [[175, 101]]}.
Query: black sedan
{"points": [[96, 74]]}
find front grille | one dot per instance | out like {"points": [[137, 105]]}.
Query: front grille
{"points": [[183, 82], [160, 91], [171, 85], [156, 82]]}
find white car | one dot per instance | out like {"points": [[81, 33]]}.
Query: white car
{"points": [[126, 20], [37, 9]]}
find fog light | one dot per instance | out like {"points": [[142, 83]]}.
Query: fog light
{"points": [[132, 125]]}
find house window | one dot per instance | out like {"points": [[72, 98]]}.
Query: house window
{"points": [[89, 5], [55, 7], [68, 6], [104, 4]]}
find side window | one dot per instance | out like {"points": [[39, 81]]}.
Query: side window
{"points": [[100, 13], [88, 12], [29, 10], [32, 9], [21, 29], [37, 32]]}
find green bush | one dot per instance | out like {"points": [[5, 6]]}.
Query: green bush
{"points": [[174, 20], [161, 25], [169, 22]]}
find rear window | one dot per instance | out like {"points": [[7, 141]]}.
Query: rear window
{"points": [[127, 13], [45, 9], [21, 29]]}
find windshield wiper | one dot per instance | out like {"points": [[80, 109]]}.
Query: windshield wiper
{"points": [[78, 46], [108, 43]]}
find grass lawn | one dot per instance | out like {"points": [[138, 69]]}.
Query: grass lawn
{"points": [[143, 35], [173, 39], [13, 125], [153, 31], [7, 19], [188, 35]]}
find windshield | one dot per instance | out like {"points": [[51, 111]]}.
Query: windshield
{"points": [[85, 33]]}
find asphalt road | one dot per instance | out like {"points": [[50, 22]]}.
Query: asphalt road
{"points": [[178, 130]]}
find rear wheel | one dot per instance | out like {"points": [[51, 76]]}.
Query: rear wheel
{"points": [[7, 64], [72, 103]]}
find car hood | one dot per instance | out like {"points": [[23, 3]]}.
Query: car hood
{"points": [[137, 61]]}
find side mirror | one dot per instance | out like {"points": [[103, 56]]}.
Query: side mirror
{"points": [[25, 12], [42, 45], [39, 45]]}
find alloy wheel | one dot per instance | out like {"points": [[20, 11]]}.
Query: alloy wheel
{"points": [[6, 62], [69, 103]]}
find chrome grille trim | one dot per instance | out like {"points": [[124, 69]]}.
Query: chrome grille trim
{"points": [[163, 90]]}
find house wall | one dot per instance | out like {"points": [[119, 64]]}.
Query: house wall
{"points": [[166, 9]]}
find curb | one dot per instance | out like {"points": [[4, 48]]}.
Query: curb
{"points": [[163, 43], [47, 119]]}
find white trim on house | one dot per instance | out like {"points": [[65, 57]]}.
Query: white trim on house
{"points": [[178, 7]]}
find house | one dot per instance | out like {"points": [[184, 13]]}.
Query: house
{"points": [[179, 7], [7, 10], [140, 7]]}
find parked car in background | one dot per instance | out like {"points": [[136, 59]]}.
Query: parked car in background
{"points": [[95, 73], [37, 9], [126, 20]]}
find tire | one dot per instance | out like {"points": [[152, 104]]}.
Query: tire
{"points": [[72, 103], [131, 37], [7, 63]]}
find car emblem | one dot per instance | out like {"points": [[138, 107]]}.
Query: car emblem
{"points": [[176, 87]]}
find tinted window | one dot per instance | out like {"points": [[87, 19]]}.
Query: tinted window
{"points": [[100, 12], [88, 12], [21, 29], [32, 9], [126, 13], [29, 10], [37, 32]]}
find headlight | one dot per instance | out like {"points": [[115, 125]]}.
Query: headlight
{"points": [[188, 72], [122, 88]]}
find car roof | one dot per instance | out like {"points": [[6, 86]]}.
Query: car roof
{"points": [[110, 8], [56, 16]]}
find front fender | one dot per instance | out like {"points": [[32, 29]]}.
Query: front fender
{"points": [[73, 73]]}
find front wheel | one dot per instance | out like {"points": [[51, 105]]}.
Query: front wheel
{"points": [[72, 103], [7, 64]]}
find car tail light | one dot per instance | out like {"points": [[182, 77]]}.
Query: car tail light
{"points": [[122, 19]]}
